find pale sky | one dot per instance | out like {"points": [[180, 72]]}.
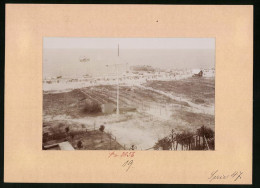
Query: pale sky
{"points": [[128, 43], [61, 55]]}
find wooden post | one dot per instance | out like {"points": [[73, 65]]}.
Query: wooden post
{"points": [[115, 142], [203, 137], [109, 141], [172, 139], [206, 142]]}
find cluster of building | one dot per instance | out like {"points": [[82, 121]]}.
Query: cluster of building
{"points": [[139, 73]]}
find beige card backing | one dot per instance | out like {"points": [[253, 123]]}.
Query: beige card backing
{"points": [[27, 24]]}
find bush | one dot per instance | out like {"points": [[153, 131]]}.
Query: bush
{"points": [[102, 128], [79, 144], [67, 129], [91, 108]]}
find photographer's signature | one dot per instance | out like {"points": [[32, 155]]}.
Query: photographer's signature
{"points": [[216, 175]]}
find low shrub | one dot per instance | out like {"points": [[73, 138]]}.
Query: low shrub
{"points": [[67, 129], [91, 108], [102, 128], [79, 144]]}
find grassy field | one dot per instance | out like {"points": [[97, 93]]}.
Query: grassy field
{"points": [[73, 103], [197, 90]]}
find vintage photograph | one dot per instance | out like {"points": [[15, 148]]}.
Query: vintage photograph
{"points": [[128, 93]]}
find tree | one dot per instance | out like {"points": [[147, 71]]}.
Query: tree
{"points": [[79, 144], [102, 128], [164, 143], [206, 133], [185, 139]]}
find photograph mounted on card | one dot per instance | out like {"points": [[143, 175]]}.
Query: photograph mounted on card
{"points": [[128, 94]]}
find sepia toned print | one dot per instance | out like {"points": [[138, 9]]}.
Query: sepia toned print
{"points": [[128, 94]]}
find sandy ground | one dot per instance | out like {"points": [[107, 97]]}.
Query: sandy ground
{"points": [[159, 110], [163, 103]]}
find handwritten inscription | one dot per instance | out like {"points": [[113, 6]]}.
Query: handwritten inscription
{"points": [[123, 154], [216, 175], [128, 155], [128, 164]]}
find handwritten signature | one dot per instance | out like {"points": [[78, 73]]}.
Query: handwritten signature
{"points": [[216, 175]]}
